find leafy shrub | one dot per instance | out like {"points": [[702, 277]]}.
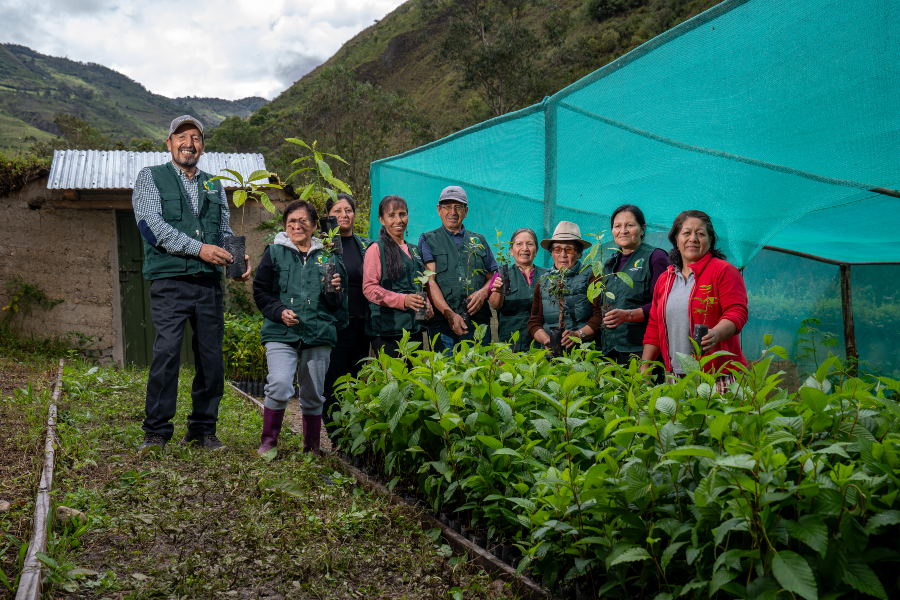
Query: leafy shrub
{"points": [[632, 490], [600, 10], [245, 357], [17, 170]]}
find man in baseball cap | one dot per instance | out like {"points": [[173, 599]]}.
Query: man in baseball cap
{"points": [[183, 218], [463, 264]]}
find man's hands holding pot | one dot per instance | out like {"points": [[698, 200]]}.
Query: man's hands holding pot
{"points": [[456, 322], [221, 257], [476, 300]]}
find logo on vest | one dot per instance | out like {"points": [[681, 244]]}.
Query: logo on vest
{"points": [[208, 186], [638, 265]]}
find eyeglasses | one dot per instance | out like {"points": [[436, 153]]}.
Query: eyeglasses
{"points": [[454, 208], [560, 250]]}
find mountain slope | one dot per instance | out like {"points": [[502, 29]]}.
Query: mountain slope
{"points": [[34, 87]]}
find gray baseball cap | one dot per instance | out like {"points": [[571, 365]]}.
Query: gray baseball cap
{"points": [[453, 193], [179, 121]]}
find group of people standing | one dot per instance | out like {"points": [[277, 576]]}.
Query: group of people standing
{"points": [[316, 331]]}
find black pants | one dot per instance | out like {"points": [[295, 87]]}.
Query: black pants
{"points": [[390, 343], [173, 302], [352, 346]]}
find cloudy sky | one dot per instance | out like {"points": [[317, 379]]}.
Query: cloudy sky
{"points": [[219, 48]]}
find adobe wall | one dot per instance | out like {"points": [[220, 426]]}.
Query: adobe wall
{"points": [[71, 255]]}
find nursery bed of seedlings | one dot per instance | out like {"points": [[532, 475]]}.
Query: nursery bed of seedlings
{"points": [[24, 396], [608, 486], [195, 524]]}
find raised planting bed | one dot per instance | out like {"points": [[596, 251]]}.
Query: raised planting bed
{"points": [[195, 524], [25, 392], [608, 486]]}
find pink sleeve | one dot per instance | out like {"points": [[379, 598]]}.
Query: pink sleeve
{"points": [[372, 277], [493, 278]]}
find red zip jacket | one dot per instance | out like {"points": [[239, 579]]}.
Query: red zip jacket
{"points": [[731, 303]]}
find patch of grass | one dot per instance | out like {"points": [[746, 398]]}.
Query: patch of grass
{"points": [[195, 524]]}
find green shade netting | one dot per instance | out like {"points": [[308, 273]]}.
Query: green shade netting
{"points": [[776, 117]]}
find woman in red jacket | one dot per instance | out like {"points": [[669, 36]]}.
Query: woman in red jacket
{"points": [[700, 287]]}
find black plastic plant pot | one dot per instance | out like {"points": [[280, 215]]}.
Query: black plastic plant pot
{"points": [[556, 335], [420, 313], [466, 317], [330, 271], [479, 541], [700, 332], [503, 273], [237, 246], [604, 308], [326, 224], [443, 518], [454, 525]]}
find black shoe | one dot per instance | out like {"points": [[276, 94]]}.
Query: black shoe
{"points": [[208, 441], [153, 444]]}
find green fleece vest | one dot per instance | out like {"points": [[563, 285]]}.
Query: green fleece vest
{"points": [[176, 211], [514, 314], [300, 285], [629, 337], [453, 267], [386, 321], [578, 309]]}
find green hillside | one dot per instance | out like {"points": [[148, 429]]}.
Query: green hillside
{"points": [[35, 87]]}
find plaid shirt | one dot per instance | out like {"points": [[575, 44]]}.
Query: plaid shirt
{"points": [[148, 213]]}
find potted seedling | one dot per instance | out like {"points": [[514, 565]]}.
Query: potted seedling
{"points": [[504, 260], [471, 250], [249, 190], [596, 259], [316, 191], [701, 329], [329, 267], [555, 284], [423, 278]]}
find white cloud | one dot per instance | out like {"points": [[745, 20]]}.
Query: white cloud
{"points": [[220, 48]]}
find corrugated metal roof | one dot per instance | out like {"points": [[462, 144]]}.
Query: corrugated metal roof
{"points": [[117, 169]]}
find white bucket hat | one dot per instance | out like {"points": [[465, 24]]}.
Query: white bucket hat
{"points": [[566, 231]]}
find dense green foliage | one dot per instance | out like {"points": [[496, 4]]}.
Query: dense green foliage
{"points": [[18, 169], [245, 357], [635, 490]]}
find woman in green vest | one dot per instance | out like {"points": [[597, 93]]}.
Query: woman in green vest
{"points": [[514, 309], [581, 319], [389, 280], [302, 314], [626, 322]]}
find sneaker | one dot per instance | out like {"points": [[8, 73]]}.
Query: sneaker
{"points": [[208, 441], [153, 444]]}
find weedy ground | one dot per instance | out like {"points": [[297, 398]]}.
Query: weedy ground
{"points": [[195, 524]]}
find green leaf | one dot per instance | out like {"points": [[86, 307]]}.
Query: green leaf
{"points": [[888, 517], [666, 405], [285, 486], [862, 578], [324, 169], [793, 573], [237, 176], [507, 452], [389, 396], [688, 363], [692, 451], [257, 175], [307, 191], [669, 554], [267, 204], [270, 455], [490, 442], [574, 380], [626, 278], [240, 196], [737, 461], [47, 560], [718, 426], [810, 530], [738, 524], [630, 555], [339, 184], [298, 142]]}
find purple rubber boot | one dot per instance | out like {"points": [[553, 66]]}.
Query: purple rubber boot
{"points": [[312, 432], [272, 420]]}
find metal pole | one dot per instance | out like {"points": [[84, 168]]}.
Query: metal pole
{"points": [[847, 312]]}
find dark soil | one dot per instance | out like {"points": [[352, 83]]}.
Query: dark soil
{"points": [[195, 524]]}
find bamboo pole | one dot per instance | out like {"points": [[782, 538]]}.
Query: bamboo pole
{"points": [[30, 580]]}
